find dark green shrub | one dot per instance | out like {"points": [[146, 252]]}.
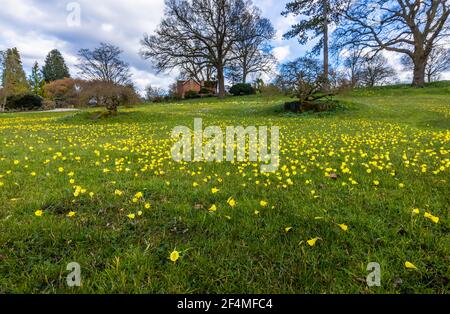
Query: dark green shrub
{"points": [[23, 102], [204, 91], [191, 94], [318, 106], [242, 89], [210, 84]]}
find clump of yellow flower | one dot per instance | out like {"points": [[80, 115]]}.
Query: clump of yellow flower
{"points": [[77, 192], [138, 195], [312, 242], [410, 265], [214, 190], [174, 256], [431, 217], [232, 202], [344, 227]]}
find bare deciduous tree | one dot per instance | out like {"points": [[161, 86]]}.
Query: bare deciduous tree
{"points": [[376, 71], [437, 63], [204, 30], [198, 69], [104, 64], [353, 63], [410, 27], [154, 94], [252, 51], [108, 94]]}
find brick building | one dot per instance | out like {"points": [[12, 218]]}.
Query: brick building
{"points": [[192, 85]]}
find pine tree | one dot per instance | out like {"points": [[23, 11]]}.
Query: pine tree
{"points": [[36, 80], [2, 54], [14, 80], [2, 90], [55, 67], [320, 14]]}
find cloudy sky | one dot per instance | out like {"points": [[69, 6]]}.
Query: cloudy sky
{"points": [[37, 26]]}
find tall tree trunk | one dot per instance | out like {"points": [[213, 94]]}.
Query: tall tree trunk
{"points": [[244, 71], [244, 77], [419, 73], [326, 69], [3, 106], [221, 79]]}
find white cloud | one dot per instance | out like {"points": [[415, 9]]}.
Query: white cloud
{"points": [[144, 78], [281, 53], [107, 27], [36, 27]]}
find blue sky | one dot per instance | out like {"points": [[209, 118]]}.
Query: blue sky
{"points": [[37, 26]]}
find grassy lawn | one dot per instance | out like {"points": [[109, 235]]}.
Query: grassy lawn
{"points": [[389, 147]]}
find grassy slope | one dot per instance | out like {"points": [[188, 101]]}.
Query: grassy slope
{"points": [[392, 131]]}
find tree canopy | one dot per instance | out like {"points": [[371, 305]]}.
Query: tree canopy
{"points": [[55, 67], [409, 27], [104, 64], [201, 31], [317, 15]]}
